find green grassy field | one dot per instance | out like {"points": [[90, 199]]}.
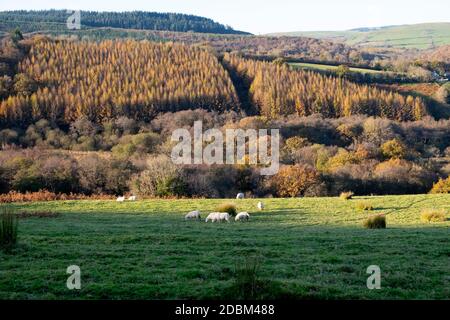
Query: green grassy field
{"points": [[310, 248], [420, 36], [315, 66]]}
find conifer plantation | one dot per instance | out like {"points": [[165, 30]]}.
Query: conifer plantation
{"points": [[277, 90], [62, 81], [65, 80]]}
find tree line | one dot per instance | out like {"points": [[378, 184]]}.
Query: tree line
{"points": [[318, 157], [30, 21]]}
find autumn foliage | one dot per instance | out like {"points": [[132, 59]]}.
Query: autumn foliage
{"points": [[294, 181], [44, 195], [277, 90], [442, 186], [117, 78]]}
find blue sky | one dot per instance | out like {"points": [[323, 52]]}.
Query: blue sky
{"points": [[262, 16]]}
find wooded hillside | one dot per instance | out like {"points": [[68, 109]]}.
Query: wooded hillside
{"points": [[277, 90], [30, 21], [62, 81]]}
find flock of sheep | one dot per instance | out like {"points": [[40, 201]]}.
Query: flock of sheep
{"points": [[214, 216], [217, 216], [122, 198], [223, 216]]}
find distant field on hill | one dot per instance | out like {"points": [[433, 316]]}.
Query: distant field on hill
{"points": [[308, 248], [419, 36], [316, 66]]}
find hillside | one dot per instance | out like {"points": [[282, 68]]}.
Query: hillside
{"points": [[278, 90], [32, 21], [419, 36], [62, 81], [304, 48], [441, 53]]}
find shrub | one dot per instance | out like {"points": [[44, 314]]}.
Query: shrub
{"points": [[442, 186], [342, 158], [375, 222], [8, 229], [93, 173], [248, 284], [366, 206], [139, 144], [294, 143], [171, 187], [8, 136], [433, 215], [227, 207], [161, 179], [403, 177], [443, 94], [293, 181], [247, 278], [346, 195], [393, 149]]}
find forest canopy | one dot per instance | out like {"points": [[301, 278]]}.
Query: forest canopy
{"points": [[277, 90], [62, 81], [30, 21]]}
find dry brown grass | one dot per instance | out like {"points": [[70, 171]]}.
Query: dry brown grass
{"points": [[346, 195], [375, 222], [433, 215], [45, 195], [364, 205]]}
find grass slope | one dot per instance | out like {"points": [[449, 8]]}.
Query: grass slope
{"points": [[310, 248], [317, 66], [420, 36]]}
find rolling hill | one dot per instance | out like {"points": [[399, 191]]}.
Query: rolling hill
{"points": [[55, 20], [415, 36]]}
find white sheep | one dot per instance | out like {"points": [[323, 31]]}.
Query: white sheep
{"points": [[213, 216], [132, 198], [260, 206], [193, 215], [242, 216], [224, 216], [120, 199], [240, 196], [218, 217]]}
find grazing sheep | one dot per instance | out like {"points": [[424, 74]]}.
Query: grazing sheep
{"points": [[213, 216], [132, 198], [193, 215], [224, 216], [260, 206], [218, 217], [240, 196], [242, 216], [120, 199]]}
